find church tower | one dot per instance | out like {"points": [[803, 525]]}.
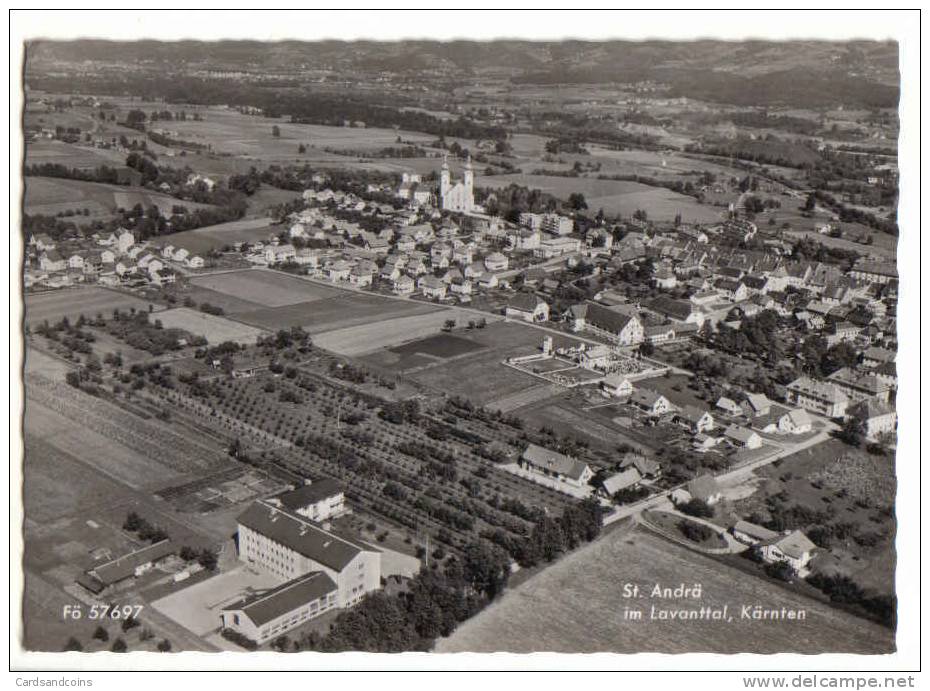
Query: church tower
{"points": [[445, 181], [469, 179]]}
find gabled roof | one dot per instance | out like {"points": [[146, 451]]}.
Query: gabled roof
{"points": [[755, 531], [525, 302], [622, 480], [645, 466], [602, 317], [870, 408], [758, 401], [692, 413], [795, 544], [703, 487], [740, 434], [554, 461], [123, 567], [307, 495], [272, 604], [646, 397], [799, 417], [305, 537]]}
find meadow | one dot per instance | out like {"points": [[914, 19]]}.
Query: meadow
{"points": [[215, 329], [577, 606], [73, 302], [615, 197], [49, 196]]}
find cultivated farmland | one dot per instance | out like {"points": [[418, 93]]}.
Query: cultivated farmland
{"points": [[577, 606], [615, 197], [48, 196], [267, 288], [71, 303], [215, 329]]}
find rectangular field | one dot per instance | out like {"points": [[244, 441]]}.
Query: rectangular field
{"points": [[202, 240], [72, 302], [215, 329], [266, 288], [341, 311], [577, 606], [614, 196]]}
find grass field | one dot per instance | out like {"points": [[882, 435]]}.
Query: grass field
{"points": [[73, 302], [480, 375], [202, 240], [372, 314], [375, 325], [49, 196], [214, 328], [615, 197], [71, 155], [856, 488], [577, 606], [441, 346], [250, 136], [267, 288]]}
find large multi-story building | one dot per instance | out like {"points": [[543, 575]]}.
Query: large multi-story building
{"points": [[290, 545], [320, 568], [824, 398]]}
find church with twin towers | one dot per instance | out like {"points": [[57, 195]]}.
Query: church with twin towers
{"points": [[458, 196]]}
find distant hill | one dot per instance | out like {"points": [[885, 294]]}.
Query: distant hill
{"points": [[800, 73]]}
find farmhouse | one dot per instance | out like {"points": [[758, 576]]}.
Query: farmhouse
{"points": [[496, 262], [695, 419], [616, 326], [729, 406], [617, 385], [705, 488], [432, 287], [743, 437], [877, 417], [556, 465], [647, 467], [875, 356], [795, 421], [269, 614], [755, 405], [131, 565], [620, 481], [290, 545], [751, 534], [650, 401], [528, 307], [795, 548], [404, 285]]}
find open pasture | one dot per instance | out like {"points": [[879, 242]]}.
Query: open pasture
{"points": [[481, 375], [229, 131], [202, 240], [266, 288], [577, 605], [48, 196], [214, 328], [71, 155], [72, 302], [614, 196]]}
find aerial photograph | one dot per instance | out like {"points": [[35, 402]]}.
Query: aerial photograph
{"points": [[459, 346]]}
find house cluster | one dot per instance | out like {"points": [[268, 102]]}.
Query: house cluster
{"points": [[791, 547], [290, 537], [112, 259]]}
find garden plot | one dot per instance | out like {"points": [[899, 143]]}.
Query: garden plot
{"points": [[215, 329]]}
